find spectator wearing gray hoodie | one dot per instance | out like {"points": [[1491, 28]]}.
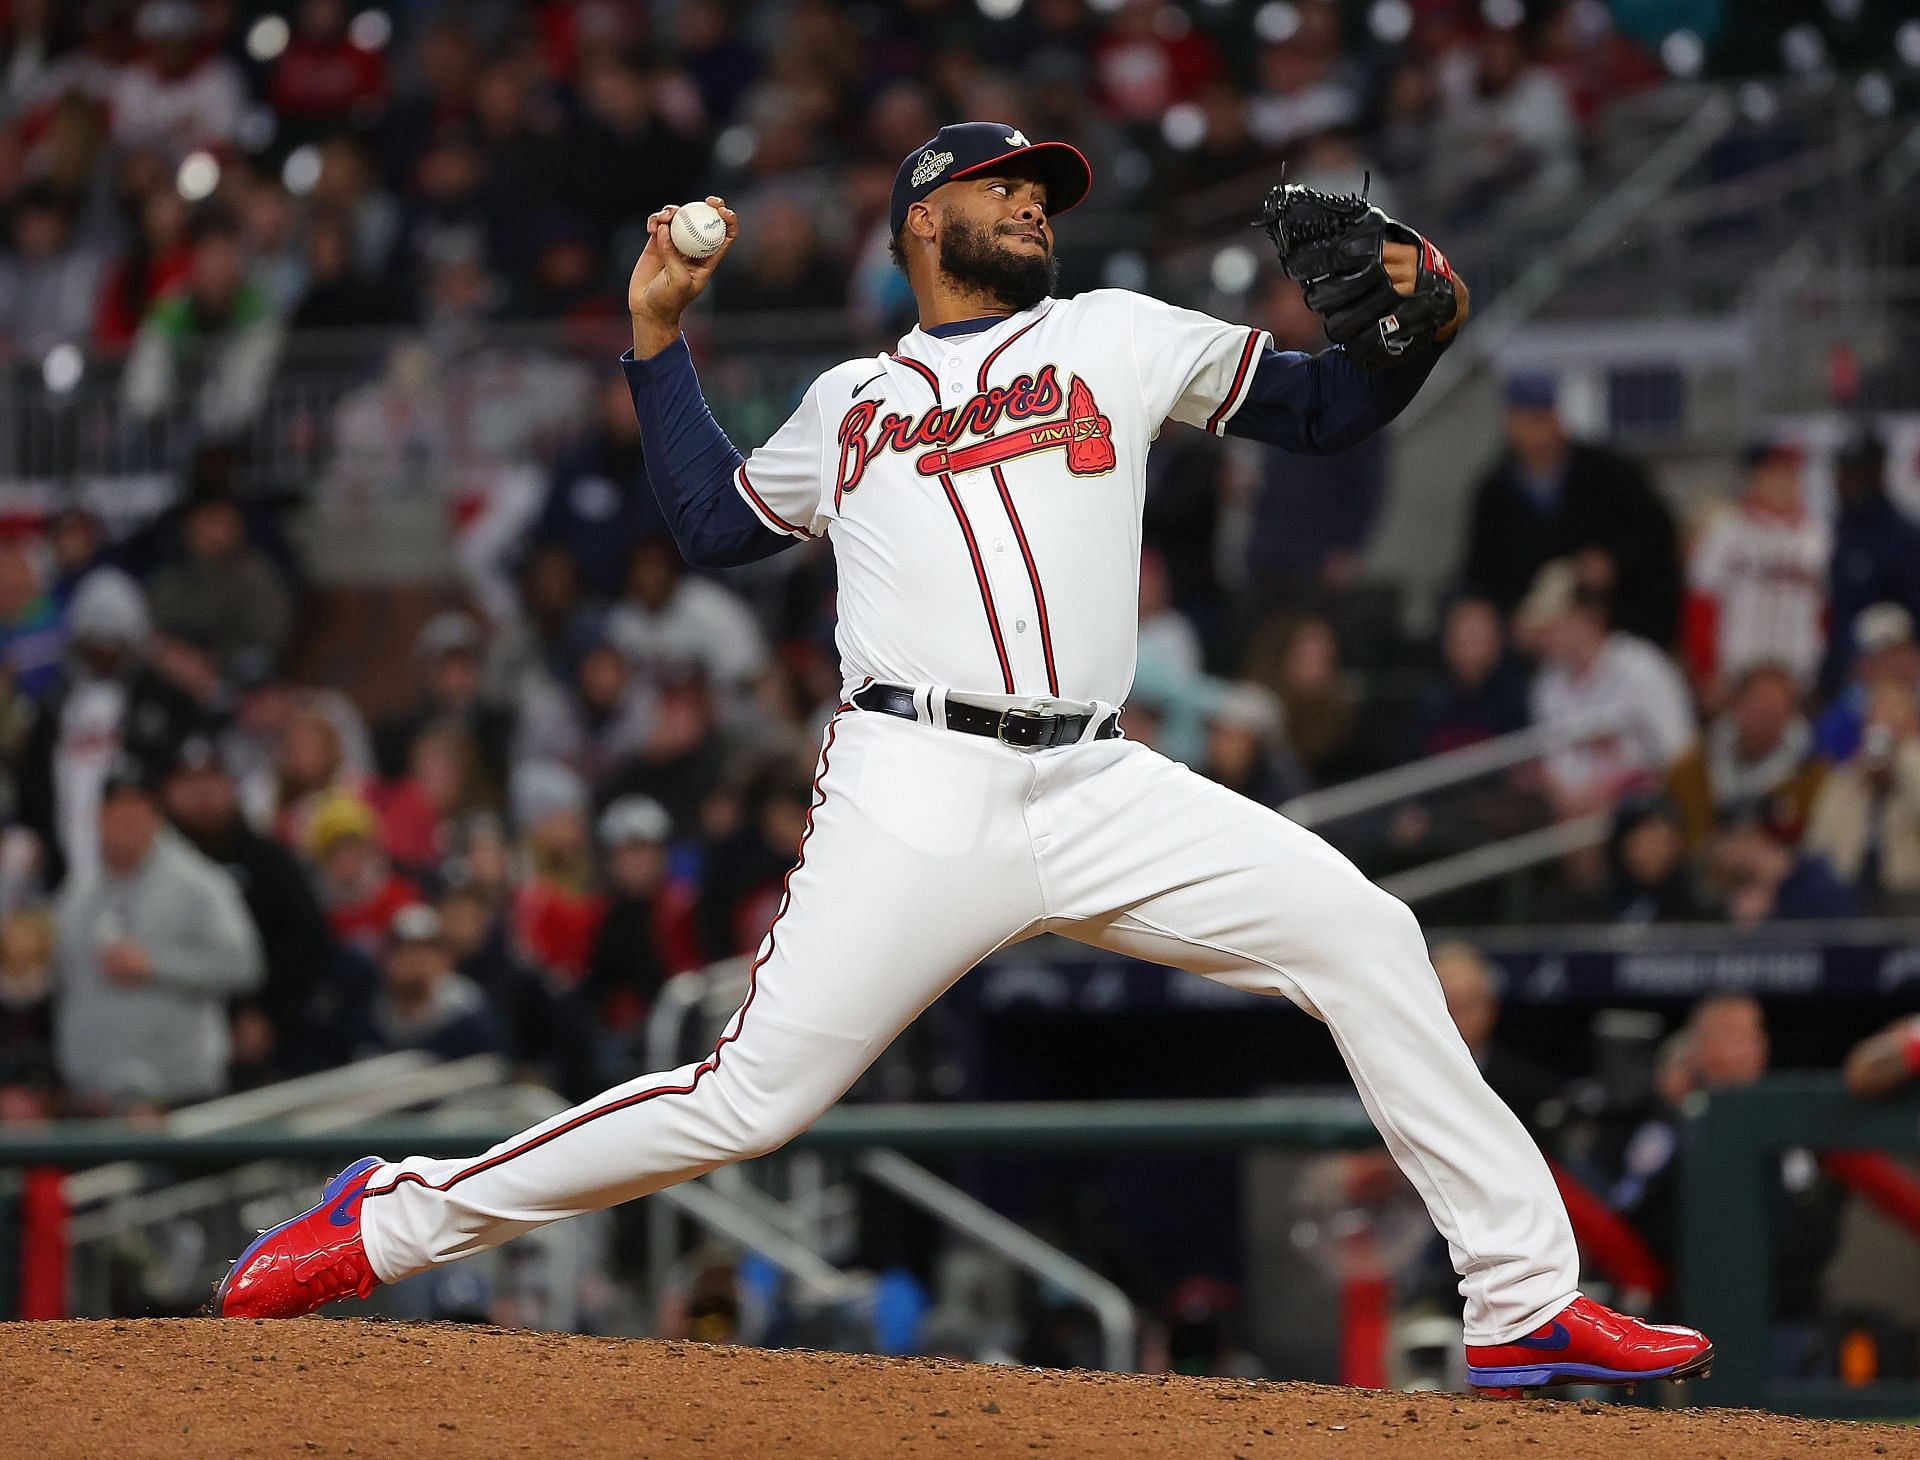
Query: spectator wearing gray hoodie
{"points": [[149, 949]]}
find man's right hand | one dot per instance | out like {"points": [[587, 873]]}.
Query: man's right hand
{"points": [[665, 281]]}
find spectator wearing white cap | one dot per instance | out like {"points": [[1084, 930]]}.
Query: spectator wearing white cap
{"points": [[182, 94], [424, 1004], [1884, 652], [1866, 819], [1621, 697], [108, 702], [1247, 748], [630, 961], [449, 657]]}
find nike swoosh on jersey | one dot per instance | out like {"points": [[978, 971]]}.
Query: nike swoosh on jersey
{"points": [[865, 383]]}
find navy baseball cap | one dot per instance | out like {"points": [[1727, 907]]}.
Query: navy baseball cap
{"points": [[1532, 390], [967, 149]]}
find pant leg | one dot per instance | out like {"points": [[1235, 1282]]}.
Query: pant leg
{"points": [[1144, 857], [914, 866]]}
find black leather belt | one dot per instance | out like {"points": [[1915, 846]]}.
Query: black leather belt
{"points": [[1024, 729]]}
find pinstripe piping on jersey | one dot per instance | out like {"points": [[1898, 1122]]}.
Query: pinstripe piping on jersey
{"points": [[1019, 531], [933, 383], [760, 505], [706, 1066], [980, 574], [1242, 377], [987, 364], [973, 547], [1033, 577]]}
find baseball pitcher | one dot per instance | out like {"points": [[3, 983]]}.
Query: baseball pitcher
{"points": [[981, 484]]}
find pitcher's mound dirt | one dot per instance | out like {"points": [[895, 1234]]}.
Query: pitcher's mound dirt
{"points": [[336, 1387]]}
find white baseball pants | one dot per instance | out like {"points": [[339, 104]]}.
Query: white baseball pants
{"points": [[925, 851]]}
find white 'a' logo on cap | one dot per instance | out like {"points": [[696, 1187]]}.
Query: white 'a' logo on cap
{"points": [[1018, 139]]}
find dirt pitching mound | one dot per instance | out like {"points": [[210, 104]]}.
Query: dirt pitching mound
{"points": [[321, 1387]]}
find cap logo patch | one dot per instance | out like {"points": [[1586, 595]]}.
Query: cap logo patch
{"points": [[932, 164], [1018, 139]]}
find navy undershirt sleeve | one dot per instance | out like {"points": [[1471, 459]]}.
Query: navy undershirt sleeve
{"points": [[691, 463], [1320, 404]]}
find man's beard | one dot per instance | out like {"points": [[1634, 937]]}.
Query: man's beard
{"points": [[976, 260]]}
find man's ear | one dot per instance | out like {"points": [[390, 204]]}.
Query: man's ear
{"points": [[920, 222]]}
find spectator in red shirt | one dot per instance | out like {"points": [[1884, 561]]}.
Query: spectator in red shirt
{"points": [[358, 886], [1150, 58], [557, 910], [155, 263], [322, 77], [417, 809]]}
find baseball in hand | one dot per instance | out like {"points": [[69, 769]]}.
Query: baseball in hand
{"points": [[697, 229]]}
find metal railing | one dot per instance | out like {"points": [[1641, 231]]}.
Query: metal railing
{"points": [[1499, 859], [1406, 784], [1308, 1122], [1636, 196], [976, 1221], [279, 1101], [1435, 773], [819, 1279]]}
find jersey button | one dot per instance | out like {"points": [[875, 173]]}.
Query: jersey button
{"points": [[953, 362], [1019, 626], [1000, 545]]}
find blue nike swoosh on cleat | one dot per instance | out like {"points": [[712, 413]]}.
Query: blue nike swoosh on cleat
{"points": [[342, 1213], [1550, 1342]]}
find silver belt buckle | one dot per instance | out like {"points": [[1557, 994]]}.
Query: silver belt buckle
{"points": [[1007, 717]]}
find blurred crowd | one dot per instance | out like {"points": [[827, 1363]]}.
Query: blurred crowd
{"points": [[601, 784], [600, 763], [185, 180]]}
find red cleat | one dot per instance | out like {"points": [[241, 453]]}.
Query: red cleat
{"points": [[1588, 1344], [310, 1261]]}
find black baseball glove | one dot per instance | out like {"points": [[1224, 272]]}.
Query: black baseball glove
{"points": [[1331, 247]]}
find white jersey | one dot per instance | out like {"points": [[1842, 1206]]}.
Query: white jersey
{"points": [[1632, 688], [1768, 576], [983, 492]]}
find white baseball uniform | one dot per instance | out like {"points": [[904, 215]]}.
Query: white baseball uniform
{"points": [[982, 492], [1766, 576]]}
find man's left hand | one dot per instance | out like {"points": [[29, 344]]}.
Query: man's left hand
{"points": [[1382, 290], [1402, 261]]}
